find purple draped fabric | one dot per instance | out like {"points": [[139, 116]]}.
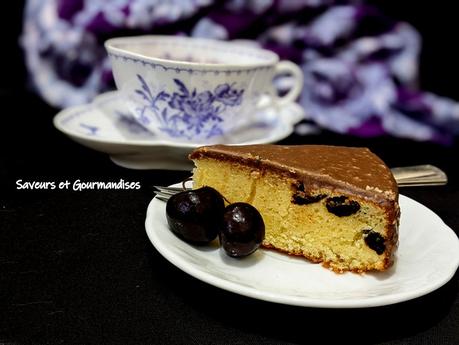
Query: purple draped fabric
{"points": [[360, 67]]}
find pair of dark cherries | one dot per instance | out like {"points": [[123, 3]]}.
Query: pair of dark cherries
{"points": [[199, 216]]}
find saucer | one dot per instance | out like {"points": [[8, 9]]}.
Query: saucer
{"points": [[106, 125]]}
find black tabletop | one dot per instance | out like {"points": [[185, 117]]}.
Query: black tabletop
{"points": [[76, 267]]}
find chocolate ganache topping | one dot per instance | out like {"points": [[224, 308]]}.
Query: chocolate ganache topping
{"points": [[352, 169]]}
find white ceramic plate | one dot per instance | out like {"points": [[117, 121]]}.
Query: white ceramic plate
{"points": [[427, 258], [107, 126]]}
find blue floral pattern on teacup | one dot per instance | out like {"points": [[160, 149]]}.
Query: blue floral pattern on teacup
{"points": [[188, 114]]}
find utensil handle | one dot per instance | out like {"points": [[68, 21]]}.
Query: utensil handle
{"points": [[419, 175]]}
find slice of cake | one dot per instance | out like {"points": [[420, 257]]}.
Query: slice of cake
{"points": [[334, 205]]}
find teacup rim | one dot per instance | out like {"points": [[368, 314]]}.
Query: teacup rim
{"points": [[111, 48]]}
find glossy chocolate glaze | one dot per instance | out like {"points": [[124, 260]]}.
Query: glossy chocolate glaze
{"points": [[352, 169]]}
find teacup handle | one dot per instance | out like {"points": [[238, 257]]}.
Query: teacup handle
{"points": [[288, 67]]}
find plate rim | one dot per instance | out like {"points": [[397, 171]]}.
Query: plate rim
{"points": [[302, 301]]}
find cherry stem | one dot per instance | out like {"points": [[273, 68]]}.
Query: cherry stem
{"points": [[185, 181]]}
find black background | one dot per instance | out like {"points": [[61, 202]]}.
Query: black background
{"points": [[77, 267]]}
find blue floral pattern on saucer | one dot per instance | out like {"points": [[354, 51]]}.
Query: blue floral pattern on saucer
{"points": [[107, 125], [184, 113]]}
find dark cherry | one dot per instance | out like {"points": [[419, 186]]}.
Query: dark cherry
{"points": [[304, 199], [341, 206], [195, 215], [375, 241], [301, 197], [242, 229]]}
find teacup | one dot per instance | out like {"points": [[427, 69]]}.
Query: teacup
{"points": [[197, 90]]}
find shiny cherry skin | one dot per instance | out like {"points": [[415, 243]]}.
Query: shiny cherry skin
{"points": [[242, 230], [195, 215]]}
